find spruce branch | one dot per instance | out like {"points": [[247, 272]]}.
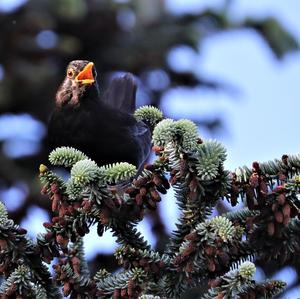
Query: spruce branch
{"points": [[150, 261], [52, 184], [278, 170], [196, 195], [3, 214], [163, 132], [85, 172], [125, 284], [149, 297], [182, 132], [66, 156], [127, 234], [272, 225], [19, 285], [186, 134], [73, 274], [207, 248], [239, 284], [240, 215], [210, 155], [71, 220], [118, 172], [201, 248], [17, 250], [149, 115], [282, 248], [101, 274]]}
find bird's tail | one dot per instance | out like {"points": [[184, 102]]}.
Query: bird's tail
{"points": [[121, 93]]}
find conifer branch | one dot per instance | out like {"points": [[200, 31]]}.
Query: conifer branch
{"points": [[239, 284], [201, 248], [17, 255]]}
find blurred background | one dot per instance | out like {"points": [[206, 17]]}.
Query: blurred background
{"points": [[231, 66]]}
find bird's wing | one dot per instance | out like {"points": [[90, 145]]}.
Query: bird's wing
{"points": [[142, 135], [121, 93]]}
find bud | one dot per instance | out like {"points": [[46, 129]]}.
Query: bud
{"points": [[211, 266], [76, 264], [214, 282], [3, 244], [123, 292], [116, 294], [143, 191], [247, 270], [255, 166], [63, 242], [286, 220], [271, 228], [43, 168], [279, 216], [220, 296], [44, 190], [22, 231], [66, 289], [139, 199], [149, 167], [274, 206], [130, 287], [285, 159], [209, 250], [286, 210], [48, 236], [154, 194], [281, 199], [192, 236]]}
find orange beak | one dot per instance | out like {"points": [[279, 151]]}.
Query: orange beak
{"points": [[86, 75]]}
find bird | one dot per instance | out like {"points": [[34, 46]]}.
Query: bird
{"points": [[102, 126]]}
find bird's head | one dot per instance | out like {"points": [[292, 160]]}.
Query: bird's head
{"points": [[79, 84]]}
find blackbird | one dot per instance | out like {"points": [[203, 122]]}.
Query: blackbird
{"points": [[102, 127]]}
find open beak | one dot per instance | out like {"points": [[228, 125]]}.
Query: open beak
{"points": [[86, 75]]}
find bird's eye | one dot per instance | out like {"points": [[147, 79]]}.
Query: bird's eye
{"points": [[70, 73]]}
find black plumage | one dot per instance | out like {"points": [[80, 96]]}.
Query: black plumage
{"points": [[104, 128]]}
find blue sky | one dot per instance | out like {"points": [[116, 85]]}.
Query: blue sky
{"points": [[261, 117]]}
